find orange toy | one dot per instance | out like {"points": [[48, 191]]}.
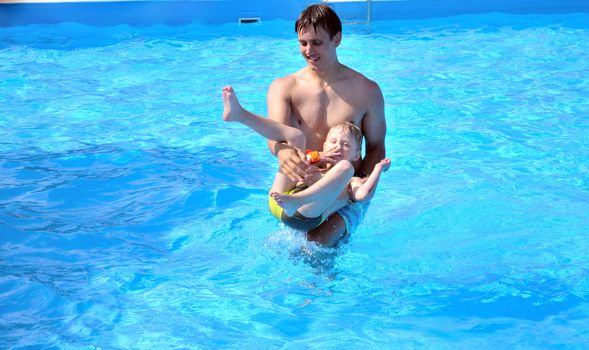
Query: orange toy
{"points": [[313, 156]]}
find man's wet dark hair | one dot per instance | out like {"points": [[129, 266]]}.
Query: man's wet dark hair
{"points": [[319, 15]]}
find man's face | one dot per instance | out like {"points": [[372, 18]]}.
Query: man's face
{"points": [[316, 46]]}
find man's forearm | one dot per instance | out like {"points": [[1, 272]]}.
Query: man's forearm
{"points": [[276, 147], [373, 156]]}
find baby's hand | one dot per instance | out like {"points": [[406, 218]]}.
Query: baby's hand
{"points": [[384, 164], [327, 157]]}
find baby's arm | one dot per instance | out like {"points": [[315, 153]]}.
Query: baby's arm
{"points": [[362, 190]]}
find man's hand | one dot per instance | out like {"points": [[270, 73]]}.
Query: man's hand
{"points": [[293, 163], [313, 174]]}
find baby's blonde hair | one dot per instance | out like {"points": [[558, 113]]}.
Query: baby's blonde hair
{"points": [[352, 129]]}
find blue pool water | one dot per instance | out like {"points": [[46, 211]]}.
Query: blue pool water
{"points": [[131, 216]]}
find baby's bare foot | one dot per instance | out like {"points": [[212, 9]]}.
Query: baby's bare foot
{"points": [[286, 202], [231, 107]]}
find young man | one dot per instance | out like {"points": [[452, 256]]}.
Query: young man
{"points": [[317, 97]]}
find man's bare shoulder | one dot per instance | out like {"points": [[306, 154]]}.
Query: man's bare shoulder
{"points": [[291, 79], [285, 84], [365, 82], [282, 82], [360, 80], [290, 84], [372, 88]]}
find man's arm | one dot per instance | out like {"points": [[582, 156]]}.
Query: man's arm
{"points": [[292, 160], [374, 127]]}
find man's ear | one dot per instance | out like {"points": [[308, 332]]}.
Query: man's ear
{"points": [[337, 39]]}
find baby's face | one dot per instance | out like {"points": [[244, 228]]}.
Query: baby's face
{"points": [[342, 143]]}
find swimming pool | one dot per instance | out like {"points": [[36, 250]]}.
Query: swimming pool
{"points": [[131, 216]]}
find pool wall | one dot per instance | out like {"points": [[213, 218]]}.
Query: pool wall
{"points": [[171, 12]]}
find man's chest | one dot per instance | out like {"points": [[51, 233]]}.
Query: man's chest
{"points": [[322, 108]]}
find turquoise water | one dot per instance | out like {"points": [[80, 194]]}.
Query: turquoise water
{"points": [[131, 216]]}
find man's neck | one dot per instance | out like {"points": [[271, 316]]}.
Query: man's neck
{"points": [[328, 75]]}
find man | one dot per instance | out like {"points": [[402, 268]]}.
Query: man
{"points": [[318, 96]]}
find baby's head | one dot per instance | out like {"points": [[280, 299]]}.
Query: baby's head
{"points": [[345, 137]]}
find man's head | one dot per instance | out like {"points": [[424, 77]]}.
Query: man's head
{"points": [[346, 138], [320, 32], [321, 16]]}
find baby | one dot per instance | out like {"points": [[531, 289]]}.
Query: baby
{"points": [[306, 205]]}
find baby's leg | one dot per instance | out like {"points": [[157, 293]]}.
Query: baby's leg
{"points": [[268, 128], [315, 200]]}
